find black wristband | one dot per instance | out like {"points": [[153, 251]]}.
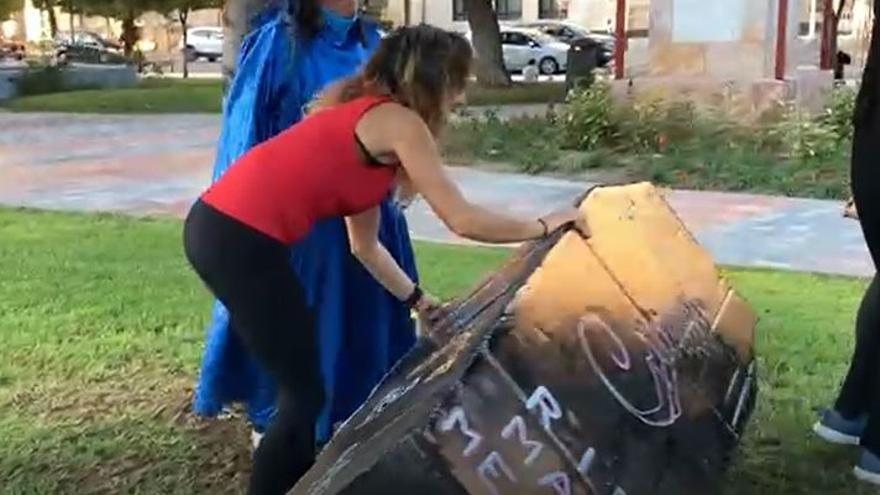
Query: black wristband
{"points": [[414, 298], [546, 228]]}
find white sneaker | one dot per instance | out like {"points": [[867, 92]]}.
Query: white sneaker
{"points": [[868, 468], [256, 438], [834, 428]]}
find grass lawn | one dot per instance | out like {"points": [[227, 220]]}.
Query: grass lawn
{"points": [[102, 323], [204, 96]]}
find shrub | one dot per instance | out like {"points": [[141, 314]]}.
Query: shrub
{"points": [[39, 81], [838, 114], [530, 143], [588, 120], [805, 138]]}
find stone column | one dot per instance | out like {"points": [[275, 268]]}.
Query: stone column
{"points": [[530, 9]]}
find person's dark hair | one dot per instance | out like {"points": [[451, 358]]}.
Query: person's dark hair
{"points": [[308, 16], [417, 66]]}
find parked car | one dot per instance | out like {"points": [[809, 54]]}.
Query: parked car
{"points": [[568, 32], [524, 46], [87, 47], [203, 42], [86, 39]]}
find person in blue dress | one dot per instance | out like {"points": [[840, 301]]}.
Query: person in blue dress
{"points": [[291, 53]]}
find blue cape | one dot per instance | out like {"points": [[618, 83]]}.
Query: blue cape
{"points": [[362, 329]]}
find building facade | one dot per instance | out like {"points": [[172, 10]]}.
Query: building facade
{"points": [[450, 14]]}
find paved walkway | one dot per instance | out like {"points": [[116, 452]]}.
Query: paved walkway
{"points": [[157, 164]]}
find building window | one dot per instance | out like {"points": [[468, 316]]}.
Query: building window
{"points": [[508, 10], [552, 9], [458, 11]]}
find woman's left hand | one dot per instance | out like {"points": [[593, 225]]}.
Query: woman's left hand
{"points": [[431, 312]]}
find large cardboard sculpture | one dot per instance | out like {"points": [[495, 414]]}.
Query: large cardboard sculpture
{"points": [[616, 365]]}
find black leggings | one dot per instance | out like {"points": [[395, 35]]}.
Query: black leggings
{"points": [[860, 394], [250, 274]]}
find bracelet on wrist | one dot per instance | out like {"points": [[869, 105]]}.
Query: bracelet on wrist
{"points": [[415, 298], [544, 225]]}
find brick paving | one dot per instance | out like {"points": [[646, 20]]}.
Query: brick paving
{"points": [[156, 165]]}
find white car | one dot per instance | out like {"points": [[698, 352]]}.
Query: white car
{"points": [[524, 46], [569, 33], [203, 42]]}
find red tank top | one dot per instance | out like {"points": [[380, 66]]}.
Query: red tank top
{"points": [[309, 172]]}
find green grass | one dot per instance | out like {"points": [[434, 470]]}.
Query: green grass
{"points": [[102, 324], [149, 96], [519, 93], [204, 96]]}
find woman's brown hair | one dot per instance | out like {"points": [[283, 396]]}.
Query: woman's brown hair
{"points": [[420, 67]]}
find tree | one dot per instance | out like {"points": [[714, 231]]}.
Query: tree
{"points": [[48, 6], [125, 10], [237, 15], [486, 37], [9, 7], [830, 30], [179, 10]]}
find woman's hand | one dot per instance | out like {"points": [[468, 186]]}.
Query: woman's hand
{"points": [[430, 309], [431, 312], [567, 216]]}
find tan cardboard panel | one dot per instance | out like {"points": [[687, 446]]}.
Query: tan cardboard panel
{"points": [[645, 247], [570, 283]]}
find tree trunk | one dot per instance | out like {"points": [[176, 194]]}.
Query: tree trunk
{"points": [[183, 15], [237, 15], [835, 32], [53, 20], [487, 43], [830, 29], [70, 9], [129, 34]]}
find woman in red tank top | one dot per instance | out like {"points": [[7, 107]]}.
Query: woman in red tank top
{"points": [[366, 135]]}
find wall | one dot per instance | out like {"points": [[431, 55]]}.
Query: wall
{"points": [[595, 14], [718, 39]]}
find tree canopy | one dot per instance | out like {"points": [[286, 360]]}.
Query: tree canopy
{"points": [[8, 7]]}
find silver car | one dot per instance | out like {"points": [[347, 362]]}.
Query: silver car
{"points": [[523, 47], [203, 42]]}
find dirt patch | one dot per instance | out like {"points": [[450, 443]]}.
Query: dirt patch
{"points": [[202, 455]]}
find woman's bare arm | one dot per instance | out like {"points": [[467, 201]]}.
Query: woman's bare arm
{"points": [[406, 135], [363, 237]]}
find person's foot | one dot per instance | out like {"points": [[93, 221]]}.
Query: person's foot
{"points": [[833, 427], [868, 468]]}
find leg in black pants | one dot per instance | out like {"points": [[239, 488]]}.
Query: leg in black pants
{"points": [[857, 412], [860, 392], [250, 274], [857, 396], [860, 395]]}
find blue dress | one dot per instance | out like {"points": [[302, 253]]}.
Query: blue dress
{"points": [[362, 329]]}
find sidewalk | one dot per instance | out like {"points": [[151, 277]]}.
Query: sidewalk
{"points": [[157, 164]]}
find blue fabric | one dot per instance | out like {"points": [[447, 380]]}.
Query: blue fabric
{"points": [[362, 329]]}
